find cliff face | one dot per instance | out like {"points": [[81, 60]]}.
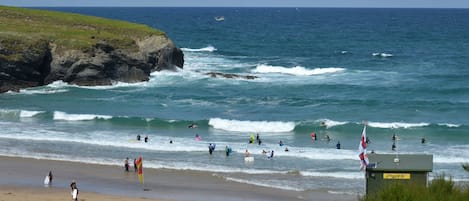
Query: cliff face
{"points": [[94, 57]]}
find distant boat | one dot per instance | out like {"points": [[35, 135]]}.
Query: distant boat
{"points": [[220, 18]]}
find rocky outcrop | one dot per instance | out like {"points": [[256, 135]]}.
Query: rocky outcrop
{"points": [[36, 63]]}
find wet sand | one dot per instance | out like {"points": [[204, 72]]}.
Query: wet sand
{"points": [[22, 179]]}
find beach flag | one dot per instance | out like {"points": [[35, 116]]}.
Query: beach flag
{"points": [[140, 169], [362, 150]]}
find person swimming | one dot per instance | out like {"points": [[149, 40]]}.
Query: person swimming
{"points": [[246, 153], [280, 143], [286, 149], [271, 154], [423, 140]]}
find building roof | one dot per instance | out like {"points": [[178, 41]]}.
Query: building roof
{"points": [[405, 162]]}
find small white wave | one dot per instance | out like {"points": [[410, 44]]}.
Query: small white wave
{"points": [[450, 125], [330, 123], [78, 117], [205, 49], [256, 183], [297, 70], [42, 91], [382, 54], [27, 114], [251, 126], [396, 125], [342, 175]]}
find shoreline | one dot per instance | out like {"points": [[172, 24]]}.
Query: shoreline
{"points": [[25, 175]]}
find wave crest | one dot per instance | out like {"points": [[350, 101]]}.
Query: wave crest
{"points": [[205, 49], [78, 117], [297, 70], [251, 126]]}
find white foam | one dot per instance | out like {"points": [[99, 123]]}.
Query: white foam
{"points": [[251, 126], [78, 117], [331, 123], [342, 175], [450, 125], [27, 114], [42, 91], [297, 70], [382, 54], [257, 183], [205, 49], [396, 125]]}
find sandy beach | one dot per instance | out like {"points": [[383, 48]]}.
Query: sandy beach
{"points": [[22, 179]]}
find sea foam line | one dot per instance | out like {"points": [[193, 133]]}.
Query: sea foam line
{"points": [[297, 70], [251, 126], [396, 125], [78, 117], [205, 49]]}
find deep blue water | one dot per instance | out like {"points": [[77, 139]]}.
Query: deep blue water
{"points": [[405, 71]]}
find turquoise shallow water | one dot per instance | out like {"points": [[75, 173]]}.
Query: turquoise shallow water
{"points": [[402, 70]]}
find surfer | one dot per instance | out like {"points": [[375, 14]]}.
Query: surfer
{"points": [[327, 138], [197, 137], [257, 137], [251, 139], [367, 140], [423, 140], [280, 143], [126, 164], [228, 150], [393, 147], [264, 152], [146, 139], [74, 192], [246, 153], [135, 165], [271, 154], [48, 179], [170, 141], [394, 137], [313, 136], [211, 148], [138, 137], [286, 149], [322, 124], [193, 125], [337, 145]]}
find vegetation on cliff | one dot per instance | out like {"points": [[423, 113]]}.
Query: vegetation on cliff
{"points": [[21, 27], [38, 47]]}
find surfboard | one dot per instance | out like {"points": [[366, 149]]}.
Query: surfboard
{"points": [[249, 159], [74, 194], [46, 180]]}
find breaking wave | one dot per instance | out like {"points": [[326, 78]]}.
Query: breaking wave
{"points": [[297, 70]]}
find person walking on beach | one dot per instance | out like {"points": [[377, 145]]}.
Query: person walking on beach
{"points": [[126, 164], [74, 192]]}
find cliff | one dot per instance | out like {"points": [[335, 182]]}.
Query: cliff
{"points": [[39, 47]]}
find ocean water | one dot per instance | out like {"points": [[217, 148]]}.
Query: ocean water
{"points": [[404, 71]]}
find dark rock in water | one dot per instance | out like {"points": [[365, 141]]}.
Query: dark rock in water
{"points": [[231, 75]]}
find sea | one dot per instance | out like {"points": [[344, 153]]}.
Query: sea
{"points": [[403, 72]]}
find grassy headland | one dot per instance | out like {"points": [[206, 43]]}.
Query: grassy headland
{"points": [[22, 28]]}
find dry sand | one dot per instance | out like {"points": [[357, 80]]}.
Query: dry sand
{"points": [[22, 179]]}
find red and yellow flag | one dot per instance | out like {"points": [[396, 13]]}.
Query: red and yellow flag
{"points": [[140, 169]]}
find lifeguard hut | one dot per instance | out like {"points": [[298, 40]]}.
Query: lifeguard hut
{"points": [[384, 169]]}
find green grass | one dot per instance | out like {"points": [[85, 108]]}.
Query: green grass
{"points": [[439, 190], [67, 30]]}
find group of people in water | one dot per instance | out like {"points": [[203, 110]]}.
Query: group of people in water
{"points": [[145, 139]]}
